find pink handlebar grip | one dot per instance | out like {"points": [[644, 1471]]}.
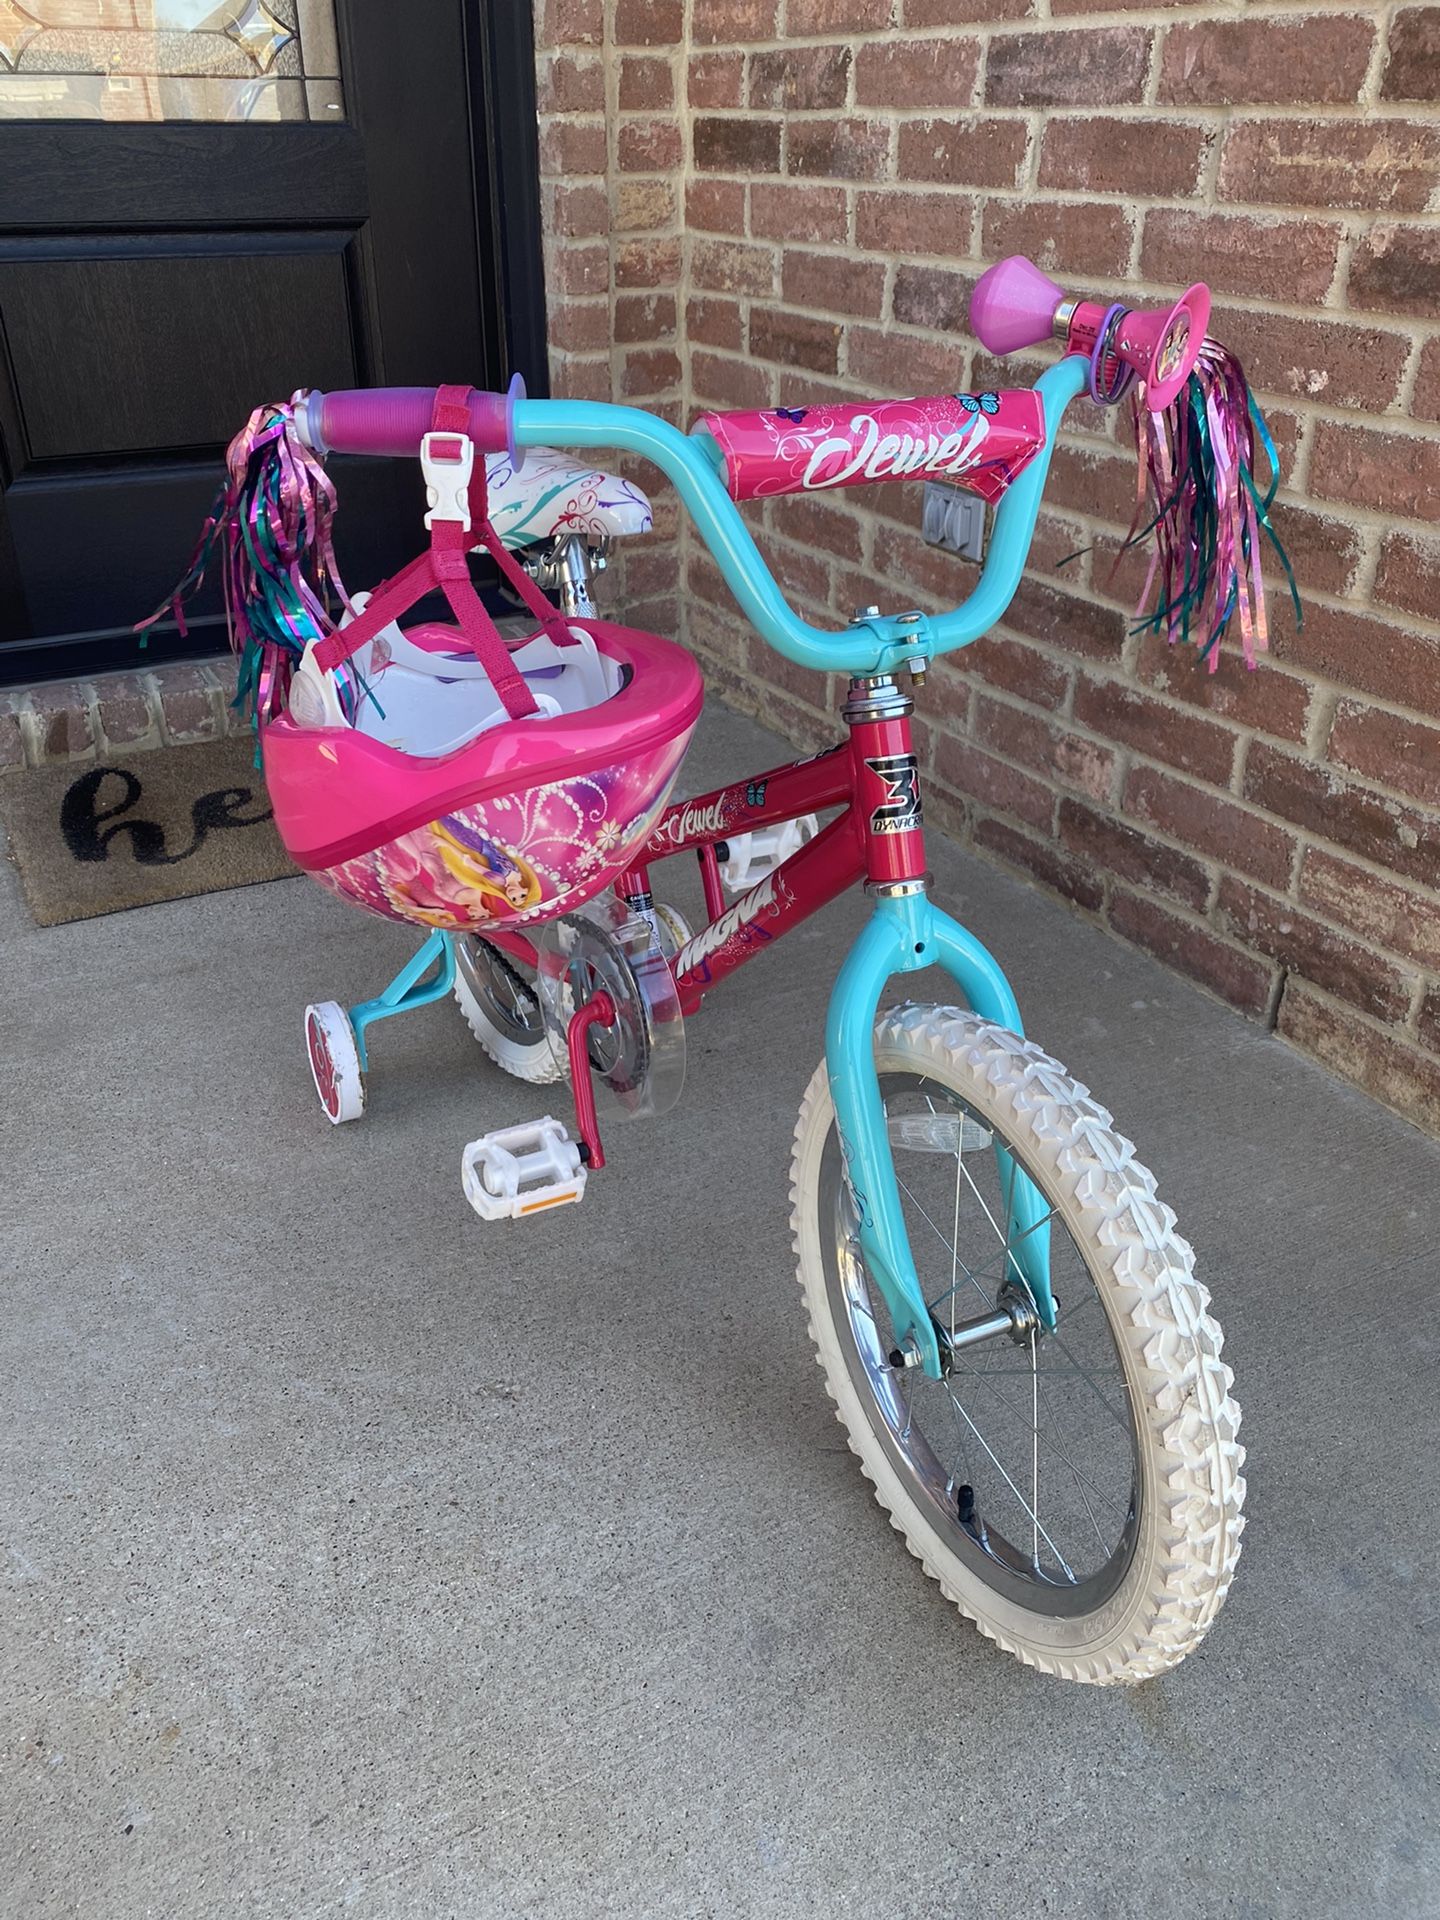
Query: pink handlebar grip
{"points": [[394, 420], [1013, 305]]}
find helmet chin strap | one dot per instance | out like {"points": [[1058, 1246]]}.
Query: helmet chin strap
{"points": [[458, 512]]}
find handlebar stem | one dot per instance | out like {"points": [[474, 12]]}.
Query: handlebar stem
{"points": [[877, 645]]}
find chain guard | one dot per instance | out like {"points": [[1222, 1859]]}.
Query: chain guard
{"points": [[639, 1060]]}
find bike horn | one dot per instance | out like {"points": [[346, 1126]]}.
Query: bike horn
{"points": [[1016, 305]]}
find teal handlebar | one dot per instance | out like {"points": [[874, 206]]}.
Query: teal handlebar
{"points": [[878, 645]]}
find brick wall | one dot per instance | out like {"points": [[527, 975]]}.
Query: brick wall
{"points": [[613, 160], [174, 705], [761, 200]]}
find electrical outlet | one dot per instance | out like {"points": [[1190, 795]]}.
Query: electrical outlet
{"points": [[953, 520]]}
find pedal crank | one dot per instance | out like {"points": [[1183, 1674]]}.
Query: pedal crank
{"points": [[636, 1052], [598, 1011]]}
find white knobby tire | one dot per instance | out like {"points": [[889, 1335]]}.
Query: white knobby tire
{"points": [[1186, 1522], [334, 1057], [481, 974]]}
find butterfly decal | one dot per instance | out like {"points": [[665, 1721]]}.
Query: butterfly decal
{"points": [[988, 403], [755, 793], [795, 415]]}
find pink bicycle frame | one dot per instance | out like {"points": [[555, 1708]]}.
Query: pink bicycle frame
{"points": [[877, 837]]}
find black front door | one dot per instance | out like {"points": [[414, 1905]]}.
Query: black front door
{"points": [[203, 207]]}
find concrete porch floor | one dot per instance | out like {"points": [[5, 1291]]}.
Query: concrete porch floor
{"points": [[362, 1559]]}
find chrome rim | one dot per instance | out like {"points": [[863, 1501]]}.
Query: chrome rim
{"points": [[504, 995], [1025, 1459]]}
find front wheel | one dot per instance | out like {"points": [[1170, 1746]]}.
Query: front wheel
{"points": [[1076, 1494]]}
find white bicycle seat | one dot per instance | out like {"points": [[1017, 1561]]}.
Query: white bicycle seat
{"points": [[552, 494]]}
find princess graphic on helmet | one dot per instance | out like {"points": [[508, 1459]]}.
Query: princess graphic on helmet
{"points": [[449, 874], [466, 851]]}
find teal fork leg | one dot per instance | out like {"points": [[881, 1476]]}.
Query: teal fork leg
{"points": [[410, 987], [905, 935]]}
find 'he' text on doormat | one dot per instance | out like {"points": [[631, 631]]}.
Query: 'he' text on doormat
{"points": [[124, 833]]}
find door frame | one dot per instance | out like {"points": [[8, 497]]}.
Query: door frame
{"points": [[501, 93]]}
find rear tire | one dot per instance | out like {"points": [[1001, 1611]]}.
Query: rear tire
{"points": [[503, 1011], [1151, 1602], [672, 929]]}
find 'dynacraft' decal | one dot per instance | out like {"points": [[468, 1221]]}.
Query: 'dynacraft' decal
{"points": [[899, 811]]}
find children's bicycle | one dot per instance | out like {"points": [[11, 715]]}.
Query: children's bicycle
{"points": [[1007, 1320]]}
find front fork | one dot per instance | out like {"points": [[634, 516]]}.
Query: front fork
{"points": [[905, 934]]}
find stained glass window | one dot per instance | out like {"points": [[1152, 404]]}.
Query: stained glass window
{"points": [[169, 60]]}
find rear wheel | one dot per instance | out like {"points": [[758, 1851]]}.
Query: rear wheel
{"points": [[1077, 1494], [672, 929], [503, 1011]]}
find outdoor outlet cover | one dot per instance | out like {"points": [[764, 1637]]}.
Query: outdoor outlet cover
{"points": [[953, 520]]}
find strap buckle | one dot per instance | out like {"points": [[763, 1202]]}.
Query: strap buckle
{"points": [[447, 461]]}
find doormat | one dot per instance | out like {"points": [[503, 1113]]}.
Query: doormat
{"points": [[127, 832]]}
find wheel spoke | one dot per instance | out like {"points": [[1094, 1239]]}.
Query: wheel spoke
{"points": [[1076, 1368], [1003, 1238], [964, 1444], [955, 1232], [1011, 1408], [988, 1273], [944, 1243], [1034, 1451], [1060, 1558], [1079, 1479]]}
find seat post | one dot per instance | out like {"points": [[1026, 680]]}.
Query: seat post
{"points": [[573, 574]]}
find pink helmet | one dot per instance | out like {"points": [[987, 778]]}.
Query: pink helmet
{"points": [[527, 820], [441, 775]]}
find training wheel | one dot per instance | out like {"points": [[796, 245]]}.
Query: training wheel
{"points": [[335, 1061]]}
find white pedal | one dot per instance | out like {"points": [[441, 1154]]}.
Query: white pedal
{"points": [[522, 1170], [753, 855]]}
